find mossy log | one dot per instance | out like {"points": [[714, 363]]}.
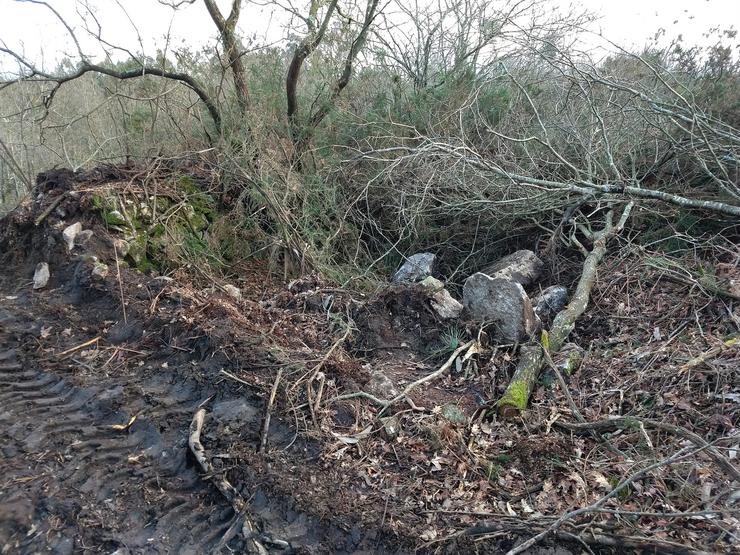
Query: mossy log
{"points": [[532, 357]]}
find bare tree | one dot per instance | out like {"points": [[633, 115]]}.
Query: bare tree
{"points": [[232, 49], [317, 21]]}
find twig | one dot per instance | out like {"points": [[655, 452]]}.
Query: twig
{"points": [[268, 411], [315, 370], [56, 202], [428, 378], [78, 347], [120, 284], [233, 377], [223, 485], [594, 506]]}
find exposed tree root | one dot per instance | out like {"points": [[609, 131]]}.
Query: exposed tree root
{"points": [[223, 485]]}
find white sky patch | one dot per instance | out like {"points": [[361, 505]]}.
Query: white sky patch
{"points": [[145, 24]]}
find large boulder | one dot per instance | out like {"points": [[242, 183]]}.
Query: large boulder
{"points": [[551, 301], [502, 305], [416, 268], [523, 267]]}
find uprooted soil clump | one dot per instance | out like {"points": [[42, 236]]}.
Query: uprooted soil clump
{"points": [[103, 370]]}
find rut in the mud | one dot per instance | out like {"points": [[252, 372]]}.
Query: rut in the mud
{"points": [[73, 481], [81, 475]]}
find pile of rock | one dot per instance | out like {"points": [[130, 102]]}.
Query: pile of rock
{"points": [[497, 297]]}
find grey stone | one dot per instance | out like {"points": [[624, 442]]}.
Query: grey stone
{"points": [[380, 385], [445, 305], [432, 283], [41, 275], [523, 267], [501, 303], [70, 233], [84, 236], [550, 301], [416, 268]]}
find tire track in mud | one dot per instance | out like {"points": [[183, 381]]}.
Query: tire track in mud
{"points": [[72, 483]]}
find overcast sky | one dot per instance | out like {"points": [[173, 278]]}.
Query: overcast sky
{"points": [[34, 30]]}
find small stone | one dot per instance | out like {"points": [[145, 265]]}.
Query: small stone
{"points": [[41, 275], [445, 305], [432, 283], [391, 426], [100, 270], [501, 304], [380, 385], [70, 233], [551, 301], [416, 268], [233, 291], [524, 267]]}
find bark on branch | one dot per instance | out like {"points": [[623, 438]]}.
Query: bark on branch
{"points": [[532, 357], [37, 75], [227, 29]]}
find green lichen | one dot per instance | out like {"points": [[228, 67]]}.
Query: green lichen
{"points": [[517, 395], [574, 361], [162, 234]]}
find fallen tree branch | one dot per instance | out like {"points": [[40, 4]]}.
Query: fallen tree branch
{"points": [[223, 485], [611, 424], [56, 202], [711, 353], [532, 357], [524, 546]]}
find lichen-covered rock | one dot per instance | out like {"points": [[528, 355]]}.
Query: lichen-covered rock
{"points": [[524, 267], [551, 301], [501, 305], [432, 283], [416, 268], [41, 275]]}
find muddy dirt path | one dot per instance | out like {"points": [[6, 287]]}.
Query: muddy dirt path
{"points": [[72, 480], [81, 475]]}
